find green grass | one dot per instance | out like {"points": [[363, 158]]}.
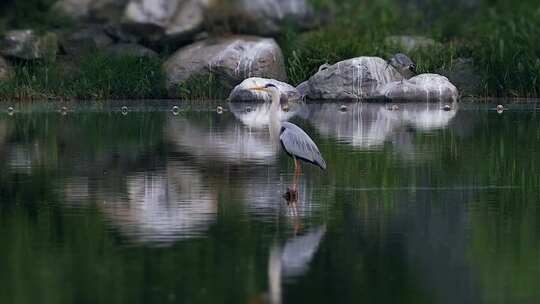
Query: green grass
{"points": [[501, 37], [95, 76], [205, 87]]}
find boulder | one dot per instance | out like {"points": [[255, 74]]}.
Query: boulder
{"points": [[242, 91], [73, 8], [356, 78], [411, 43], [164, 20], [261, 17], [5, 70], [84, 40], [26, 44], [102, 10], [424, 87], [465, 76], [230, 60], [130, 50]]}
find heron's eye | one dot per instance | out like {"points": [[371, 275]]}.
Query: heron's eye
{"points": [[270, 86]]}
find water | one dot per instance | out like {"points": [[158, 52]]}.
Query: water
{"points": [[418, 205]]}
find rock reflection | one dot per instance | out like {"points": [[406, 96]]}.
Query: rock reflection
{"points": [[232, 143], [163, 207], [369, 126], [292, 260]]}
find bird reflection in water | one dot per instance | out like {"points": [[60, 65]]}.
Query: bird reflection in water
{"points": [[294, 141], [291, 261]]}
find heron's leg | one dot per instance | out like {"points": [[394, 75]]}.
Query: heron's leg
{"points": [[297, 171]]}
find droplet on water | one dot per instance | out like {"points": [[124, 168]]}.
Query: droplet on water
{"points": [[447, 108], [63, 110], [500, 109], [393, 108], [175, 110], [10, 111], [248, 109], [124, 110], [219, 109], [343, 108]]}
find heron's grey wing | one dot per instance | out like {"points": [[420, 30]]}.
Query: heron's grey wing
{"points": [[298, 144]]}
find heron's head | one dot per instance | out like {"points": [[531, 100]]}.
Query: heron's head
{"points": [[266, 88]]}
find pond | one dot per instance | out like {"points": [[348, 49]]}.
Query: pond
{"points": [[419, 204]]}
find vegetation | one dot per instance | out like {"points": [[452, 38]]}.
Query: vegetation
{"points": [[500, 36], [96, 76]]}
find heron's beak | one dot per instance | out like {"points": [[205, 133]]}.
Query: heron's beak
{"points": [[258, 89]]}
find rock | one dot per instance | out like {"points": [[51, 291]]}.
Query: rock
{"points": [[355, 78], [261, 17], [119, 34], [131, 50], [424, 87], [73, 8], [411, 43], [465, 76], [5, 70], [107, 10], [242, 93], [158, 20], [231, 60], [26, 44], [85, 40], [102, 10]]}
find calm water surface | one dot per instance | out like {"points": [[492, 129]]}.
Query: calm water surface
{"points": [[418, 205]]}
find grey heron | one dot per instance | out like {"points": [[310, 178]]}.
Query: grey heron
{"points": [[294, 141], [403, 64]]}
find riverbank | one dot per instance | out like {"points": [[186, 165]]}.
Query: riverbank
{"points": [[484, 50]]}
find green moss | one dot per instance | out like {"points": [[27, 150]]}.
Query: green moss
{"points": [[96, 76], [34, 14], [501, 37], [202, 87]]}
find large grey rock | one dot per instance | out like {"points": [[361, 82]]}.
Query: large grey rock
{"points": [[242, 91], [157, 20], [411, 43], [5, 70], [84, 40], [230, 60], [130, 50], [261, 17], [463, 74], [26, 44], [424, 87], [356, 78]]}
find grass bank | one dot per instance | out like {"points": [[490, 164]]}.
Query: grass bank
{"points": [[502, 38], [95, 76]]}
